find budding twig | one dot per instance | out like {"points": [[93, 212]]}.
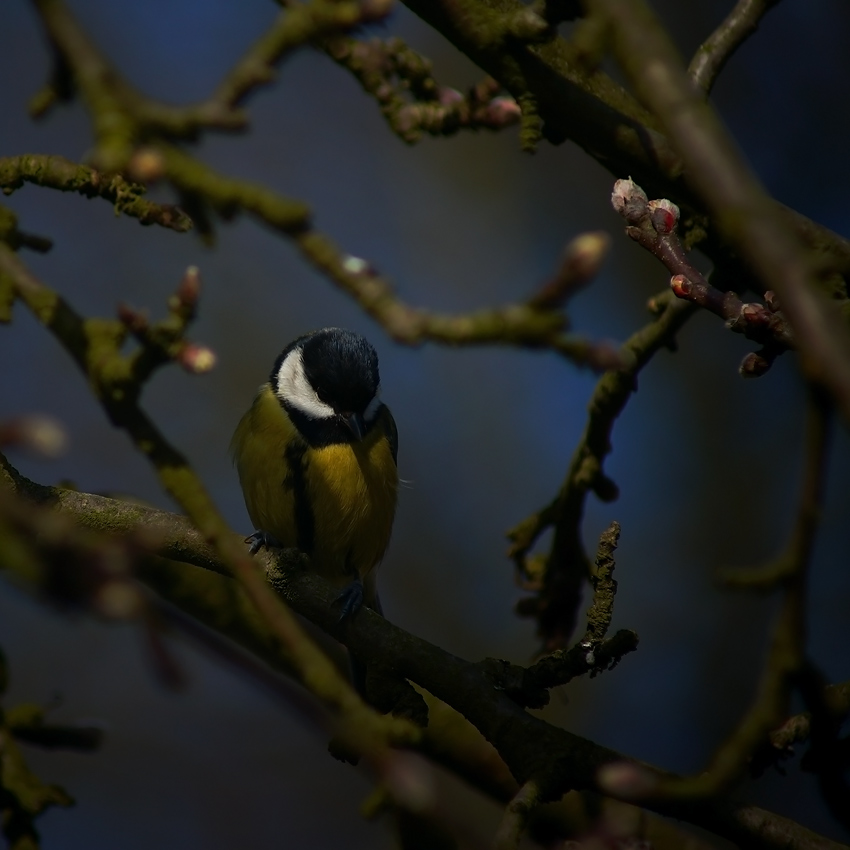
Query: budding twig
{"points": [[56, 172], [719, 177], [652, 224]]}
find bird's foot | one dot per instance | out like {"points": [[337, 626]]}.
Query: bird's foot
{"points": [[262, 540], [350, 600]]}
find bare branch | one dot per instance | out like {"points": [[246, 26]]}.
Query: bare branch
{"points": [[652, 224], [787, 659], [557, 582], [713, 54]]}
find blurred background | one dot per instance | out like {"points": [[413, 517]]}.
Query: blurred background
{"points": [[708, 465]]}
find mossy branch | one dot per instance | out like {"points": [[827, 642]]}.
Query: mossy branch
{"points": [[56, 172], [528, 745], [23, 796]]}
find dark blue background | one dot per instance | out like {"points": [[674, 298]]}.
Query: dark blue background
{"points": [[708, 465]]}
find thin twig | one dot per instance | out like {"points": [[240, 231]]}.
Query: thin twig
{"points": [[558, 583], [59, 173], [653, 225], [713, 54], [787, 658]]}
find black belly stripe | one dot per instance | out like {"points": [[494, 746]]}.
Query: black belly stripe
{"points": [[296, 480]]}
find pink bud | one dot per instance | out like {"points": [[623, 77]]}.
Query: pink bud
{"points": [[772, 301], [190, 287], [754, 365], [628, 199], [503, 111], [39, 434], [197, 359], [356, 265], [626, 780], [135, 320], [664, 215], [449, 97], [146, 165], [755, 314], [681, 286]]}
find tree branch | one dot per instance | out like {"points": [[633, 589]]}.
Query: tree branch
{"points": [[528, 745], [713, 54], [743, 212], [56, 172], [557, 582], [96, 348]]}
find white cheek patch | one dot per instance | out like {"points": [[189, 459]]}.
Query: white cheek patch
{"points": [[374, 406], [292, 387]]}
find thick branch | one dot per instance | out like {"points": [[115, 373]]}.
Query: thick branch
{"points": [[530, 746], [588, 108]]}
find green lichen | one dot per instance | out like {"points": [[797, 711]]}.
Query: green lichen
{"points": [[531, 128]]}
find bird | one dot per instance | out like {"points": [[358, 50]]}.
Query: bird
{"points": [[316, 455]]}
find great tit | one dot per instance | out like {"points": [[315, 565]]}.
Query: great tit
{"points": [[316, 456]]}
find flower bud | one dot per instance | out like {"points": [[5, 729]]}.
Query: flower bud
{"points": [[772, 301], [626, 780], [190, 286], [197, 359], [356, 265], [664, 215], [681, 286], [146, 165], [133, 319], [503, 111], [754, 365], [449, 96], [629, 200], [39, 434], [754, 314]]}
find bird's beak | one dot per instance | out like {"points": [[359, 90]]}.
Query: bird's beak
{"points": [[355, 424]]}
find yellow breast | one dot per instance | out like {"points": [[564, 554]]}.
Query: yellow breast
{"points": [[336, 503]]}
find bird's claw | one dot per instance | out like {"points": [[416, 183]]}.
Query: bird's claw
{"points": [[261, 540], [350, 600]]}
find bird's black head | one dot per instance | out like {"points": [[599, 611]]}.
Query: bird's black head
{"points": [[342, 367], [328, 382]]}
